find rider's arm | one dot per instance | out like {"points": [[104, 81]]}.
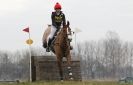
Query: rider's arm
{"points": [[53, 20]]}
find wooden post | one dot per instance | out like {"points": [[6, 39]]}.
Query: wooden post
{"points": [[33, 67]]}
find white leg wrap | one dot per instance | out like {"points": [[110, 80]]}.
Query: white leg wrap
{"points": [[70, 74]]}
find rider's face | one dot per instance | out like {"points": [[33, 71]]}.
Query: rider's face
{"points": [[58, 10]]}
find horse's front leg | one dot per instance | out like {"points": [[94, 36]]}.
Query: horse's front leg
{"points": [[69, 66], [59, 62]]}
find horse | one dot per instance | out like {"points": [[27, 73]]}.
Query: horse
{"points": [[61, 48]]}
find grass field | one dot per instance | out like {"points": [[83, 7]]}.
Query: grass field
{"points": [[68, 83]]}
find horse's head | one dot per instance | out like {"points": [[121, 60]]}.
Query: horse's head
{"points": [[66, 28], [64, 34], [69, 32]]}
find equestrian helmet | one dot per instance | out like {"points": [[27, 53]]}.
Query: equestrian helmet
{"points": [[57, 6]]}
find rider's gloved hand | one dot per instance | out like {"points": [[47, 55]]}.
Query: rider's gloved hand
{"points": [[58, 27]]}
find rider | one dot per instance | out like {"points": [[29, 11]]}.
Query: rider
{"points": [[58, 19]]}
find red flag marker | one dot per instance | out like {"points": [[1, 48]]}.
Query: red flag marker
{"points": [[26, 29]]}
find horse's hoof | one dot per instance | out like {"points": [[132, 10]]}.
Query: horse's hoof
{"points": [[71, 78], [44, 45], [62, 80], [70, 74]]}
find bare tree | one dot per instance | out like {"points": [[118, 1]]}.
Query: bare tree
{"points": [[112, 53]]}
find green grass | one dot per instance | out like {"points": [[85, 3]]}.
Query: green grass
{"points": [[67, 83]]}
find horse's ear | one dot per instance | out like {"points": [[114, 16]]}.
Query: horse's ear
{"points": [[68, 23]]}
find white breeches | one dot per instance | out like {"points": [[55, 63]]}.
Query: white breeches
{"points": [[51, 35]]}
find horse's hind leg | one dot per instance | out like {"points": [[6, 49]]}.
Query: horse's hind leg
{"points": [[69, 66]]}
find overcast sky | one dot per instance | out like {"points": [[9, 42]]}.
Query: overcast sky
{"points": [[93, 17]]}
